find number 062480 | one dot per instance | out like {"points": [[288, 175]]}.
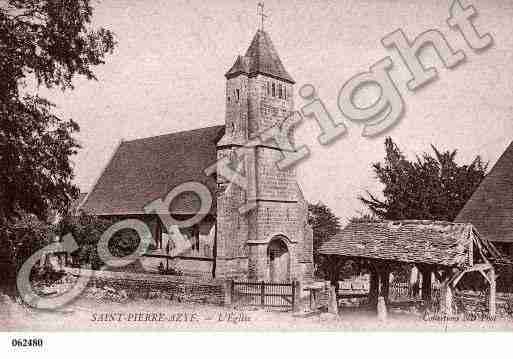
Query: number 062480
{"points": [[32, 342]]}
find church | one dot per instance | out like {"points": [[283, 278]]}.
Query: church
{"points": [[270, 242]]}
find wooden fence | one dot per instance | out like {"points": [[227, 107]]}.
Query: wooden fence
{"points": [[266, 294], [401, 291], [397, 291]]}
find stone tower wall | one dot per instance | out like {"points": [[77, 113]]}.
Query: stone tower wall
{"points": [[279, 211]]}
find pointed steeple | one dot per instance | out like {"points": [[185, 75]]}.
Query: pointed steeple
{"points": [[260, 58]]}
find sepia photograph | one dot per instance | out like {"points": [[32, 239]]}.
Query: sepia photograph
{"points": [[213, 166]]}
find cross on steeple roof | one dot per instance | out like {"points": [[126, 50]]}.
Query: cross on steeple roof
{"points": [[260, 12]]}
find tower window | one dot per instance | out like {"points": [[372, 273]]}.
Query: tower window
{"points": [[280, 91], [238, 95], [266, 111], [268, 88], [274, 90]]}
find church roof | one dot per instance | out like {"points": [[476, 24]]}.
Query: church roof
{"points": [[147, 169], [490, 209], [411, 241], [260, 58]]}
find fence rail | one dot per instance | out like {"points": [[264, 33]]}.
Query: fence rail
{"points": [[266, 294]]}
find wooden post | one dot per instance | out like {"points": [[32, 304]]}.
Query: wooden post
{"points": [[214, 250], [262, 294], [373, 287], [426, 286], [228, 292], [293, 295], [384, 284], [313, 303], [382, 309], [413, 282], [332, 301], [492, 302], [448, 277], [296, 295], [334, 271], [447, 298]]}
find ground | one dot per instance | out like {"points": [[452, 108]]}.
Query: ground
{"points": [[160, 314], [106, 308]]}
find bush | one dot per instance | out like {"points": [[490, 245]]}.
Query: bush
{"points": [[124, 242], [19, 240], [86, 230]]}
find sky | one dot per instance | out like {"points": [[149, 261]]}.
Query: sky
{"points": [[167, 75]]}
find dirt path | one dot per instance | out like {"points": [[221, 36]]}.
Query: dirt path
{"points": [[157, 314]]}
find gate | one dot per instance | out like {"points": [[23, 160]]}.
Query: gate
{"points": [[266, 294]]}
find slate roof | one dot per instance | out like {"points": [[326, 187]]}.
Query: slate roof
{"points": [[260, 58], [490, 209], [147, 169], [427, 242]]}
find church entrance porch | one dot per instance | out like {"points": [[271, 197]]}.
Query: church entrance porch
{"points": [[278, 257]]}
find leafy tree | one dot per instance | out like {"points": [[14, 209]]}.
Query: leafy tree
{"points": [[324, 224], [431, 187], [47, 43]]}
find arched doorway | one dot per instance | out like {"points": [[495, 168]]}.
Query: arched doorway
{"points": [[278, 257]]}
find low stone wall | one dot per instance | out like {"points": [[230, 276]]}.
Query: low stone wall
{"points": [[178, 288]]}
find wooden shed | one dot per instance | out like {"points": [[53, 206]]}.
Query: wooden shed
{"points": [[449, 250]]}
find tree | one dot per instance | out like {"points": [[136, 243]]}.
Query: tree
{"points": [[47, 43], [431, 187], [324, 225]]}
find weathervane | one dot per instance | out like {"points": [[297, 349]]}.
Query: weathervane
{"points": [[260, 12]]}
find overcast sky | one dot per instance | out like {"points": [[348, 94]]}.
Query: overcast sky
{"points": [[167, 75]]}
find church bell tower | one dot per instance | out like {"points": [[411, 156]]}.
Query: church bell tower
{"points": [[266, 242]]}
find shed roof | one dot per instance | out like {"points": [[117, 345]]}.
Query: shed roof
{"points": [[147, 169], [424, 242]]}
